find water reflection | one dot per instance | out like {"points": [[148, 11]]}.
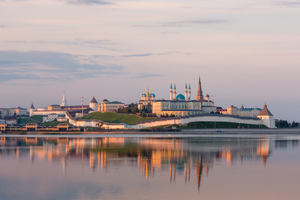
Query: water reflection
{"points": [[190, 158]]}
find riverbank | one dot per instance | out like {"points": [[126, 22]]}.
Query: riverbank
{"points": [[181, 132]]}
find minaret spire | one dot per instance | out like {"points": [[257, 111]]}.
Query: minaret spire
{"points": [[63, 101], [171, 92], [186, 92], [174, 92], [200, 92], [189, 92]]}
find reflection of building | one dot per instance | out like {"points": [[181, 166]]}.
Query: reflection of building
{"points": [[145, 103], [177, 157], [182, 105], [263, 150], [110, 106]]}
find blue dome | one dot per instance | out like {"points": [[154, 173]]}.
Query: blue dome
{"points": [[152, 94], [144, 94], [180, 97]]}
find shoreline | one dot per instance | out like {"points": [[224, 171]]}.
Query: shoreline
{"points": [[289, 131]]}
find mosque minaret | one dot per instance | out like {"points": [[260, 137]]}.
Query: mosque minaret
{"points": [[189, 92], [186, 93], [183, 105], [174, 92], [171, 92]]}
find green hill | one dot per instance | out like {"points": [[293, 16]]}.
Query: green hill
{"points": [[116, 117]]}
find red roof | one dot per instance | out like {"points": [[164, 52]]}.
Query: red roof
{"points": [[265, 111]]}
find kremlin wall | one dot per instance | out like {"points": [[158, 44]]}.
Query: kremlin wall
{"points": [[179, 109]]}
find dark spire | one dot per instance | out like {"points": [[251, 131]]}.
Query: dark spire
{"points": [[200, 92], [93, 100]]}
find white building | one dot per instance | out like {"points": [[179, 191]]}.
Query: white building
{"points": [[110, 106], [182, 105], [9, 112]]}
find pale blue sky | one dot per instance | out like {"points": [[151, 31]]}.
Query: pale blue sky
{"points": [[246, 51]]}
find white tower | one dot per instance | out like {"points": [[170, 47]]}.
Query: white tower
{"points": [[171, 92], [63, 101], [174, 92], [31, 110], [189, 92], [266, 116], [94, 104], [186, 92]]}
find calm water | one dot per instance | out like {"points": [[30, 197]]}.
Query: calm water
{"points": [[136, 168]]}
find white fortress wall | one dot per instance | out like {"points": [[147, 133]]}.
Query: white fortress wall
{"points": [[155, 123], [221, 119], [166, 122], [187, 120]]}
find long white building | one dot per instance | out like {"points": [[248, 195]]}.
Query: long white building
{"points": [[182, 105]]}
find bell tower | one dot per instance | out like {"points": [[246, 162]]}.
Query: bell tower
{"points": [[199, 92]]}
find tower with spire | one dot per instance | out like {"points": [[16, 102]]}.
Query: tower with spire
{"points": [[171, 92], [267, 117], [186, 93], [63, 101], [174, 92], [189, 92], [93, 104], [31, 110], [199, 92]]}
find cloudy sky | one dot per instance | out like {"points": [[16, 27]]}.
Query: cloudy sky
{"points": [[246, 51]]}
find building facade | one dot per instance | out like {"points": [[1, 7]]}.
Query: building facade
{"points": [[182, 105], [242, 112], [10, 112], [145, 103], [110, 106]]}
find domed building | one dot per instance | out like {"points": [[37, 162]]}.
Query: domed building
{"points": [[180, 97], [182, 105], [145, 103]]}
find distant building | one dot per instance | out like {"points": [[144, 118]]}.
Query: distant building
{"points": [[11, 120], [9, 112], [182, 105], [145, 103], [110, 106], [75, 111], [242, 112]]}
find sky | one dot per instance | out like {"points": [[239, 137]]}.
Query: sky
{"points": [[246, 51]]}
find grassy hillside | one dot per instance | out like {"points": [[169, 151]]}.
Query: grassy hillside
{"points": [[34, 119], [116, 117]]}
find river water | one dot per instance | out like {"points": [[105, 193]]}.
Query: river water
{"points": [[137, 167]]}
